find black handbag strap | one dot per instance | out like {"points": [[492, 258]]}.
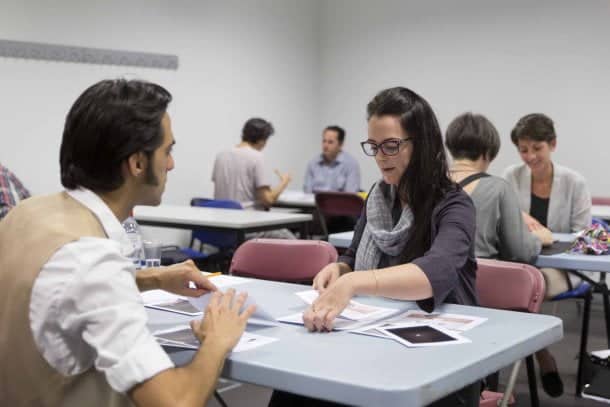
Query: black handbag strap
{"points": [[472, 178]]}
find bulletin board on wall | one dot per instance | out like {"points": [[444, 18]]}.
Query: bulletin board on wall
{"points": [[85, 55]]}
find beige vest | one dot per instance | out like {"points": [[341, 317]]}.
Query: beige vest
{"points": [[29, 235]]}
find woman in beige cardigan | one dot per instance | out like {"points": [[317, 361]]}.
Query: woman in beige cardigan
{"points": [[550, 196]]}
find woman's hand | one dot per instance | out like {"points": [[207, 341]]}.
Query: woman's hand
{"points": [[545, 236], [531, 223], [328, 275], [331, 302]]}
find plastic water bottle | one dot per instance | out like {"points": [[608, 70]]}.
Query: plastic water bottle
{"points": [[133, 233]]}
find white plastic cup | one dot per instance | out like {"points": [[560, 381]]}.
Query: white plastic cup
{"points": [[152, 253]]}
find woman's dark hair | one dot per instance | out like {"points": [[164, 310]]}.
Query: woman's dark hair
{"points": [[256, 129], [425, 180], [471, 136], [534, 126], [110, 121]]}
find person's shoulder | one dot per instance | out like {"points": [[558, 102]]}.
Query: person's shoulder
{"points": [[496, 182], [490, 186], [347, 157], [316, 159], [513, 170], [569, 173], [247, 153], [455, 196], [222, 154]]}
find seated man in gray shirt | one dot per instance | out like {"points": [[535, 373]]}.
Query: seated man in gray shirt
{"points": [[240, 175], [334, 169]]}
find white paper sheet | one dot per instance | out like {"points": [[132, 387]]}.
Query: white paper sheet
{"points": [[456, 323], [339, 324], [225, 281], [260, 313], [183, 337], [162, 300], [423, 335], [452, 322], [157, 297], [354, 311]]}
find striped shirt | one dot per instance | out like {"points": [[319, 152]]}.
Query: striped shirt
{"points": [[11, 191]]}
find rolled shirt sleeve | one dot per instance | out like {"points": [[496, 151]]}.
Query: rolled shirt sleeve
{"points": [[95, 316]]}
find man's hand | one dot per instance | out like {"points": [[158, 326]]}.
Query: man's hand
{"points": [[176, 278], [284, 178], [222, 324]]}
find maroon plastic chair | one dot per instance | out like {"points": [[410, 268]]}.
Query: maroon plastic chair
{"points": [[515, 287], [293, 261], [600, 200], [331, 204]]}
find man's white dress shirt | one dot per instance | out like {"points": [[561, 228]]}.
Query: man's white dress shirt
{"points": [[86, 308]]}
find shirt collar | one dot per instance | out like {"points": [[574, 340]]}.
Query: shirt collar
{"points": [[113, 228], [338, 159]]}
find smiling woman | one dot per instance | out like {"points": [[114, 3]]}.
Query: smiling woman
{"points": [[550, 196], [415, 238]]}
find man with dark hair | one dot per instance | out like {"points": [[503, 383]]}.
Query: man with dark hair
{"points": [[74, 328], [240, 173], [334, 169], [11, 191]]}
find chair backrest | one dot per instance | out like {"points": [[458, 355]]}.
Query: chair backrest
{"points": [[339, 204], [510, 286], [221, 240], [600, 200], [282, 259]]}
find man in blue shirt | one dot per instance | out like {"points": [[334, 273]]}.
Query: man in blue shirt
{"points": [[334, 169]]}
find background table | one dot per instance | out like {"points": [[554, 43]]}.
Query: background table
{"points": [[296, 199], [341, 240], [574, 263], [362, 370], [601, 211], [240, 221]]}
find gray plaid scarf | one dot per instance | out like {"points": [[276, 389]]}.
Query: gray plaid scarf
{"points": [[379, 235]]}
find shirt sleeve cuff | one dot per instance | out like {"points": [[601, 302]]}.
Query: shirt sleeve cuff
{"points": [[140, 364]]}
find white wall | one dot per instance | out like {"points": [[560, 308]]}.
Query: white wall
{"points": [[237, 59], [307, 64], [501, 59]]}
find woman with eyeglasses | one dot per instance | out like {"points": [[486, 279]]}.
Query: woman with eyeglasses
{"points": [[415, 238]]}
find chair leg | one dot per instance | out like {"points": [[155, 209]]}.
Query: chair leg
{"points": [[511, 384], [219, 399], [531, 379], [584, 338]]}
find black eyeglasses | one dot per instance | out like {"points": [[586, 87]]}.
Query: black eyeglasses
{"points": [[388, 147]]}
